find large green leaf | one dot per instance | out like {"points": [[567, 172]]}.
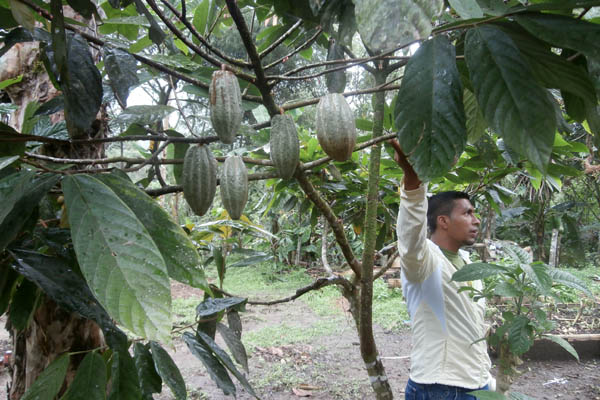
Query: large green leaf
{"points": [[68, 289], [82, 87], [213, 305], [565, 278], [168, 371], [8, 281], [177, 150], [430, 117], [23, 14], [563, 31], [215, 369], [23, 305], [564, 344], [476, 271], [467, 8], [121, 68], [118, 258], [520, 337], [514, 104], [539, 276], [178, 251], [487, 395], [476, 123], [84, 7], [386, 24], [225, 360], [235, 345], [144, 115], [90, 381], [48, 383], [19, 195], [125, 384], [150, 380]]}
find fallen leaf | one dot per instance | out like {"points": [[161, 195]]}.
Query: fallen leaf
{"points": [[301, 393]]}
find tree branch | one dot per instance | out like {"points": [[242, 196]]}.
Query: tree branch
{"points": [[336, 224], [298, 49], [388, 265], [280, 40]]}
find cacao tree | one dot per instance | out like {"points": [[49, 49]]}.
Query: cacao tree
{"points": [[440, 77]]}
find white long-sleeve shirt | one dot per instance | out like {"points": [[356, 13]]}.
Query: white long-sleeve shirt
{"points": [[445, 324]]}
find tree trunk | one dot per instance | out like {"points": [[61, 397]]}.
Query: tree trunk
{"points": [[52, 330]]}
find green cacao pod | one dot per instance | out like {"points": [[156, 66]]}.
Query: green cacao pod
{"points": [[336, 80], [285, 146], [336, 129], [225, 105], [234, 186], [199, 178]]}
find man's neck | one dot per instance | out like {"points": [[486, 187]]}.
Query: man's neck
{"points": [[444, 243]]}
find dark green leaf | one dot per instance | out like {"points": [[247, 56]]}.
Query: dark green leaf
{"points": [[430, 116], [467, 8], [22, 13], [476, 271], [20, 201], [84, 7], [235, 345], [68, 289], [53, 105], [225, 360], [59, 37], [178, 251], [155, 33], [144, 115], [476, 124], [118, 257], [336, 81], [537, 273], [168, 371], [564, 344], [8, 279], [487, 395], [565, 278], [6, 161], [520, 335], [82, 87], [48, 383], [347, 26], [212, 306], [90, 381], [150, 380], [215, 369], [235, 322], [507, 92], [23, 305], [125, 384], [121, 68], [7, 21], [19, 35], [179, 150], [217, 254]]}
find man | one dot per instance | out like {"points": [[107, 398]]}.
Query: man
{"points": [[447, 360]]}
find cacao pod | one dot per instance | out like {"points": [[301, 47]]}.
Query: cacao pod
{"points": [[199, 178], [234, 186], [225, 105], [336, 129], [336, 81], [285, 146]]}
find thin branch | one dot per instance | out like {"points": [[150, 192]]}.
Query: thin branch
{"points": [[151, 159], [316, 285], [298, 49], [388, 265], [336, 224], [201, 39], [280, 40]]}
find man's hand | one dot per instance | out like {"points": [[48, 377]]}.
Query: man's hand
{"points": [[411, 179]]}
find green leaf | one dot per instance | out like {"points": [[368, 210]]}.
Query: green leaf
{"points": [[125, 384], [178, 152], [564, 344], [144, 115], [217, 254], [476, 124], [520, 335], [23, 305], [68, 289], [386, 24], [84, 7], [234, 344], [225, 360], [6, 161], [20, 35], [178, 251], [118, 258], [82, 87], [7, 21], [517, 253], [467, 8], [506, 289], [253, 260], [512, 395], [212, 306], [507, 92], [565, 278], [90, 380], [364, 124], [24, 193], [48, 383], [200, 20], [121, 68], [8, 280], [52, 106], [487, 395], [150, 380], [476, 271], [429, 110], [7, 82], [22, 13], [215, 369], [563, 31], [168, 371], [537, 273], [155, 33]]}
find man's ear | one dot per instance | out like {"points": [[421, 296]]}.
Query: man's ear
{"points": [[442, 221]]}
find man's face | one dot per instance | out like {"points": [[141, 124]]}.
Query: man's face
{"points": [[463, 225]]}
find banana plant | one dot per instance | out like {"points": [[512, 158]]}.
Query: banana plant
{"points": [[521, 284]]}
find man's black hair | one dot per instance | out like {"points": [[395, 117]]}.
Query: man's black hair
{"points": [[442, 204]]}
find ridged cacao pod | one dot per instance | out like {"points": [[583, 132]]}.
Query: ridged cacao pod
{"points": [[336, 81], [225, 105], [285, 146], [234, 186], [199, 178], [336, 129]]}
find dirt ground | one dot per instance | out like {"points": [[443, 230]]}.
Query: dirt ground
{"points": [[330, 367]]}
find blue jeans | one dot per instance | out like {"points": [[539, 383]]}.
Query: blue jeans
{"points": [[417, 391]]}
